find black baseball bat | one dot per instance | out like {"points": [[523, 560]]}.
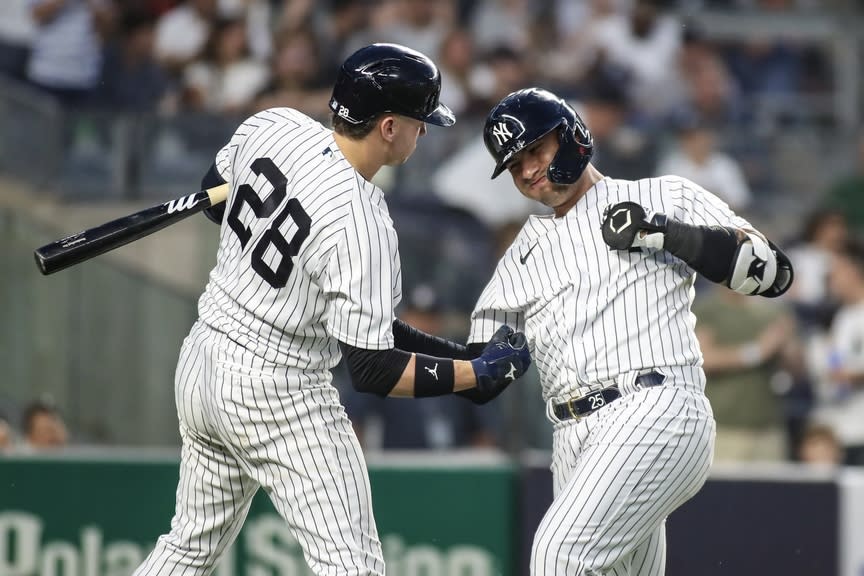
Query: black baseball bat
{"points": [[92, 242]]}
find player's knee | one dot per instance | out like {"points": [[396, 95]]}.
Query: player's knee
{"points": [[553, 553]]}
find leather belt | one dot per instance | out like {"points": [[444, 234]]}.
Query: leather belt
{"points": [[581, 407]]}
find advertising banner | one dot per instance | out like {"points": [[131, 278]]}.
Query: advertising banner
{"points": [[100, 517]]}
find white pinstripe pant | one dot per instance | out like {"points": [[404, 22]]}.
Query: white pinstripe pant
{"points": [[243, 429], [617, 475]]}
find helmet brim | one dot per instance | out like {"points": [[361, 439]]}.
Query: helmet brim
{"points": [[441, 116], [497, 172]]}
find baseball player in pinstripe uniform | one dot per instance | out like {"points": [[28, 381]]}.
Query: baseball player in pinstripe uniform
{"points": [[308, 267], [602, 289]]}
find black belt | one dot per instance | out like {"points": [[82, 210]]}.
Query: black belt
{"points": [[581, 407]]}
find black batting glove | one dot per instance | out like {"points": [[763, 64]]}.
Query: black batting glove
{"points": [[504, 359], [625, 226]]}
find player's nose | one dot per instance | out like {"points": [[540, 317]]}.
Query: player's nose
{"points": [[529, 166]]}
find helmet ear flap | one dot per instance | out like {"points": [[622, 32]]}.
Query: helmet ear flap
{"points": [[572, 157]]}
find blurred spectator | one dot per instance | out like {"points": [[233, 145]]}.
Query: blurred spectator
{"points": [[132, 79], [697, 157], [497, 73], [843, 406], [702, 84], [43, 427], [463, 181], [820, 447], [5, 435], [66, 60], [825, 233], [846, 194], [419, 24], [341, 21], [764, 67], [259, 16], [619, 148], [16, 35], [226, 78], [438, 423], [182, 33], [501, 23], [575, 51], [456, 61], [295, 77], [743, 339], [645, 42]]}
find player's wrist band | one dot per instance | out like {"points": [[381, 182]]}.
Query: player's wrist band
{"points": [[432, 376]]}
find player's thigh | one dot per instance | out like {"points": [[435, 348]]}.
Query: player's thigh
{"points": [[643, 459], [300, 446], [213, 498]]}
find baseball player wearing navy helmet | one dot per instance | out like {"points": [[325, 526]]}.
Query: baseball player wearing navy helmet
{"points": [[308, 271], [602, 289]]}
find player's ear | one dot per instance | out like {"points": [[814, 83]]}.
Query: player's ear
{"points": [[387, 127]]}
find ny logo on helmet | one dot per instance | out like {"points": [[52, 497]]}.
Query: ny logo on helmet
{"points": [[508, 128]]}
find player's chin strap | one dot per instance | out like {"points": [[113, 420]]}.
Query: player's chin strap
{"points": [[742, 260]]}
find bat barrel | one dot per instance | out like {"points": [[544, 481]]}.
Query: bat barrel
{"points": [[87, 244]]}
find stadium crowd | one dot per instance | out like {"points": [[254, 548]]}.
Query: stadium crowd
{"points": [[660, 95]]}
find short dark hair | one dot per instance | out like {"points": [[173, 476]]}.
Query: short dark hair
{"points": [[353, 131], [33, 410]]}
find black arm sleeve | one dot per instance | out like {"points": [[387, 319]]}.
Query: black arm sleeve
{"points": [[409, 338], [709, 250], [213, 178], [374, 371]]}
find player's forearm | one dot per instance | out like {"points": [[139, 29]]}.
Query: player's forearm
{"points": [[395, 372], [463, 378]]}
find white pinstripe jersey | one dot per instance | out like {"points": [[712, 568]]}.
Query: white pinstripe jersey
{"points": [[591, 314], [307, 250]]}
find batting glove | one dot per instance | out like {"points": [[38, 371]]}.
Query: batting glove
{"points": [[504, 359], [625, 226]]}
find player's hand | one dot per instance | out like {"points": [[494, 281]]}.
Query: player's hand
{"points": [[504, 359], [625, 226]]}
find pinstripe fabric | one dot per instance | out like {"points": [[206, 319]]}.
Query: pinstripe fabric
{"points": [[595, 317], [592, 315], [617, 474], [253, 383]]}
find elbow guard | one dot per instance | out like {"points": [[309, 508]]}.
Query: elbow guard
{"points": [[760, 267], [752, 266]]}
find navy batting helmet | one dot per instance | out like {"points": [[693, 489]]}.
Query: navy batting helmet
{"points": [[383, 78], [526, 116]]}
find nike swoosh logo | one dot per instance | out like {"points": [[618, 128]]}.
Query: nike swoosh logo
{"points": [[524, 257]]}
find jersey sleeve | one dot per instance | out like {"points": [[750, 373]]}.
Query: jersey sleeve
{"points": [[700, 207], [223, 160], [491, 312], [361, 278]]}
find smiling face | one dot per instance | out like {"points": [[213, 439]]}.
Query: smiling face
{"points": [[529, 169]]}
